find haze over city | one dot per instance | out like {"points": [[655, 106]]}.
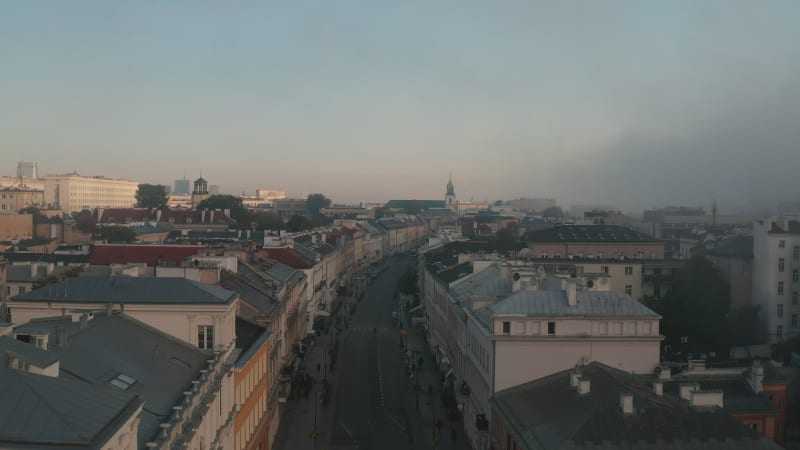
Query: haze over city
{"points": [[629, 104]]}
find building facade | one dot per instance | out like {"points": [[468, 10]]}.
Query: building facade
{"points": [[776, 275], [13, 199], [72, 192]]}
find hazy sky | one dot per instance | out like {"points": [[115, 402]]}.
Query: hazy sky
{"points": [[632, 103]]}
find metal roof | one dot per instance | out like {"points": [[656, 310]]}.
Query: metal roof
{"points": [[27, 352], [38, 411], [133, 290], [603, 234], [555, 304]]}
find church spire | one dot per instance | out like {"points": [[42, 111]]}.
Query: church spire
{"points": [[450, 189]]}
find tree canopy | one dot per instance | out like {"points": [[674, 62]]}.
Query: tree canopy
{"points": [[315, 202], [151, 196], [554, 212], [696, 309], [234, 204]]}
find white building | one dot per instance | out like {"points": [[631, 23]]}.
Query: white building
{"points": [[503, 326], [72, 192], [776, 275]]}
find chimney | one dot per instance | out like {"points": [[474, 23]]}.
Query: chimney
{"points": [[203, 216], [34, 270], [584, 386], [658, 388], [574, 376], [665, 372], [158, 215], [84, 320], [61, 334], [706, 398], [756, 378], [572, 293], [686, 390], [211, 219], [626, 402]]}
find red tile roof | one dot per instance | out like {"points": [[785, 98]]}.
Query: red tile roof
{"points": [[107, 254], [285, 255]]}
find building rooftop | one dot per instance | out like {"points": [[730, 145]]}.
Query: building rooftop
{"points": [[550, 414], [554, 304], [252, 289], [107, 254], [422, 204], [733, 247], [249, 337], [287, 256], [42, 412], [27, 352], [590, 233], [155, 366], [132, 290]]}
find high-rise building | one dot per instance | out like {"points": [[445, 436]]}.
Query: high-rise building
{"points": [[27, 169], [213, 189], [72, 192], [182, 187]]}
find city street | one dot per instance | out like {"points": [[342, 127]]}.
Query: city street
{"points": [[375, 405]]}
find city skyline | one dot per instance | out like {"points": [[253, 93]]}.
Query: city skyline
{"points": [[380, 101]]}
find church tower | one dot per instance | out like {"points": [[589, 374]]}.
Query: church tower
{"points": [[200, 191], [450, 197]]}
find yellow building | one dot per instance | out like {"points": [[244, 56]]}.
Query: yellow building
{"points": [[13, 199], [72, 192]]}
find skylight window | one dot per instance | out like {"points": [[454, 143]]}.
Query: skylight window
{"points": [[122, 381]]}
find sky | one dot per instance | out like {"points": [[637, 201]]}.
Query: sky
{"points": [[632, 104]]}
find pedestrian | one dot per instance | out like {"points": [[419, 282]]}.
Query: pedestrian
{"points": [[419, 362], [438, 426], [453, 434]]}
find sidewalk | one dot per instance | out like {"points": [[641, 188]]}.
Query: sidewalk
{"points": [[297, 422], [431, 409]]}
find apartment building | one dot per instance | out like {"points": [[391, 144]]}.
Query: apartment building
{"points": [[776, 275], [251, 384], [72, 192], [594, 242], [13, 199]]}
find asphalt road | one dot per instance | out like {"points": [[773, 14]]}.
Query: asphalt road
{"points": [[373, 391]]}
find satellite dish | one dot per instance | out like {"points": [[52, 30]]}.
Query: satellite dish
{"points": [[590, 284], [516, 276]]}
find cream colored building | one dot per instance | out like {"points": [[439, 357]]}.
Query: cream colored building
{"points": [[72, 192], [13, 199]]}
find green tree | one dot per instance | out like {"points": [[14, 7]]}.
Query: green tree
{"points": [[38, 217], [499, 203], [315, 202], [85, 221], [407, 284], [267, 221], [696, 307], [234, 204], [151, 196], [116, 234], [553, 212], [380, 213], [298, 223]]}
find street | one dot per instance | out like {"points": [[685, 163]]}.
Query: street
{"points": [[375, 405]]}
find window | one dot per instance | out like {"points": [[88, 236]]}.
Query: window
{"points": [[794, 320], [781, 244], [599, 255], [780, 311], [795, 297], [21, 289], [779, 331], [780, 264], [796, 252], [205, 337], [628, 289], [780, 287], [604, 269], [551, 328], [628, 270], [795, 275], [544, 254], [753, 426], [506, 327]]}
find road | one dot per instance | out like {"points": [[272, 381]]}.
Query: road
{"points": [[372, 393]]}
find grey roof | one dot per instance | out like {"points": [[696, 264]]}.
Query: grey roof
{"points": [[554, 304], [251, 291], [589, 233], [249, 337], [281, 272], [43, 412], [132, 290], [21, 273], [454, 273], [162, 366], [739, 396], [27, 352], [46, 257], [487, 282], [549, 414]]}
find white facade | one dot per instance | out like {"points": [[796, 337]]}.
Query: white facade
{"points": [[776, 275], [72, 192]]}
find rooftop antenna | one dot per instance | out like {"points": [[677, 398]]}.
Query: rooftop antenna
{"points": [[714, 212]]}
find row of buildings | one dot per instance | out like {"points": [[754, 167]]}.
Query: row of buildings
{"points": [[546, 345], [189, 345]]}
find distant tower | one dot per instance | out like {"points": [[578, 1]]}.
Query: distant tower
{"points": [[714, 212], [450, 197], [27, 169], [200, 191]]}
